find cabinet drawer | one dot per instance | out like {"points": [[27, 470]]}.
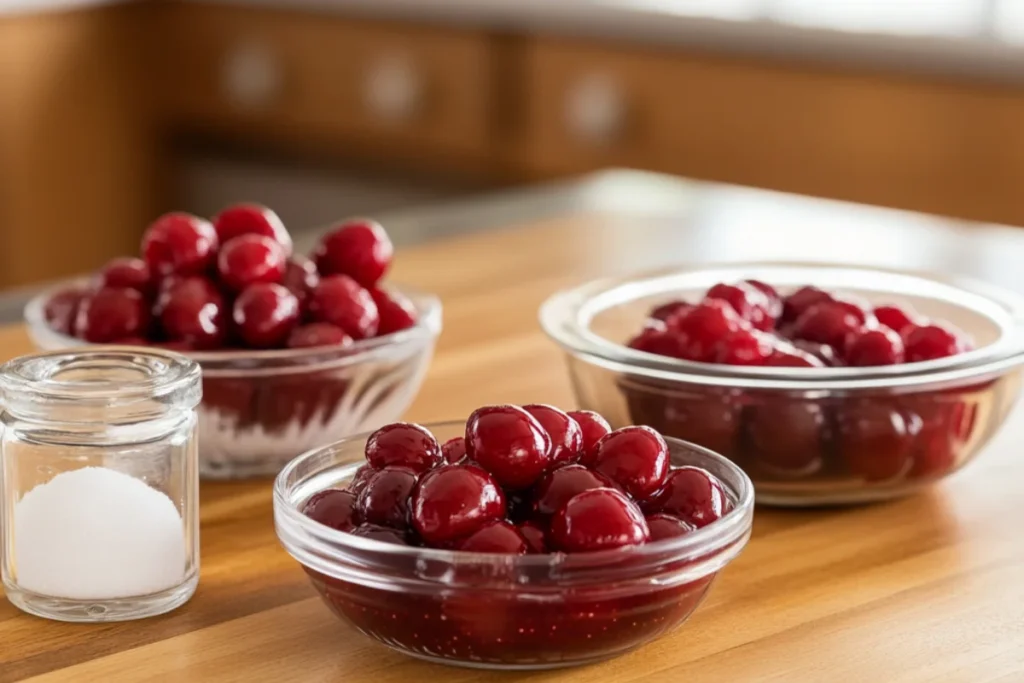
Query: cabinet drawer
{"points": [[886, 139], [322, 77]]}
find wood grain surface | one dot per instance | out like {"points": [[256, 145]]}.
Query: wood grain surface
{"points": [[928, 588]]}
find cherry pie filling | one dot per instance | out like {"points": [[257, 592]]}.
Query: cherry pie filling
{"points": [[780, 438], [530, 480]]}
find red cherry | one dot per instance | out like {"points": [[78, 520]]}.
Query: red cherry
{"points": [[316, 335], [191, 311], [360, 478], [942, 433], [593, 427], [111, 313], [454, 450], [566, 435], [248, 259], [670, 310], [787, 435], [870, 347], [827, 323], [300, 277], [929, 342], [334, 508], [509, 443], [701, 330], [894, 317], [496, 536], [132, 273], [396, 312], [536, 537], [664, 526], [357, 248], [556, 488], [404, 444], [875, 439], [599, 519], [749, 303], [453, 501], [381, 534], [857, 307], [771, 296], [801, 300], [179, 243], [658, 340], [61, 309], [635, 458], [693, 495], [339, 300], [385, 498], [251, 219], [265, 314], [745, 347]]}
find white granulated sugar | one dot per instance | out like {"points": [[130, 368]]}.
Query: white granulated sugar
{"points": [[95, 534]]}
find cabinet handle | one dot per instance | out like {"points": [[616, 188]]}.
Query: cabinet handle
{"points": [[393, 89], [596, 110], [251, 75]]}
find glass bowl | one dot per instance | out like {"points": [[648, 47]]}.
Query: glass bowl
{"points": [[502, 611], [805, 436], [262, 408]]}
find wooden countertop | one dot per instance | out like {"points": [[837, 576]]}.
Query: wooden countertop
{"points": [[923, 589]]}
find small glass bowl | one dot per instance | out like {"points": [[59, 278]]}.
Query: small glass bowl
{"points": [[805, 436], [262, 408], [501, 611]]}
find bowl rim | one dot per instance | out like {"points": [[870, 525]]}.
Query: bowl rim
{"points": [[565, 317], [427, 327], [724, 532]]}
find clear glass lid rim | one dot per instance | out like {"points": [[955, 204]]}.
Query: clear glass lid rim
{"points": [[159, 376]]}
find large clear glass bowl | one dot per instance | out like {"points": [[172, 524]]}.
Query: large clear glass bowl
{"points": [[505, 611], [805, 436], [262, 408]]}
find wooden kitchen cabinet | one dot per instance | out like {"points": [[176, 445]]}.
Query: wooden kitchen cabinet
{"points": [[943, 147], [77, 166], [398, 89], [90, 100]]}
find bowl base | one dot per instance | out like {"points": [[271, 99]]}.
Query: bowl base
{"points": [[497, 666], [817, 499]]}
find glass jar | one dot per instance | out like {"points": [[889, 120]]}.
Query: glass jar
{"points": [[99, 486]]}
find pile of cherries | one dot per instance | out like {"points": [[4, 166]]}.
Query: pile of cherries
{"points": [[234, 282], [779, 437], [750, 323], [529, 479]]}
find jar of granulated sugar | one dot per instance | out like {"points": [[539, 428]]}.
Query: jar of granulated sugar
{"points": [[99, 488]]}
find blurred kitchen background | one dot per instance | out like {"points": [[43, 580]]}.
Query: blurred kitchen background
{"points": [[112, 112]]}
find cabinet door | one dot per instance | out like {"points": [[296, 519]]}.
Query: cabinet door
{"points": [[897, 140], [386, 87]]}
